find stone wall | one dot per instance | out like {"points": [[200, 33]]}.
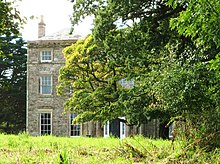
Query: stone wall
{"points": [[36, 102]]}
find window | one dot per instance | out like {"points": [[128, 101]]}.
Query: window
{"points": [[106, 129], [122, 128], [126, 83], [46, 56], [171, 130], [45, 123], [74, 128], [70, 90], [46, 85]]}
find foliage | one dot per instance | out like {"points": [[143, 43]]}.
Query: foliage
{"points": [[95, 79], [127, 53], [86, 78], [12, 70], [200, 22], [50, 149], [10, 19], [169, 48], [193, 89]]}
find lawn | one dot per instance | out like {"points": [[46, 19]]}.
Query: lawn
{"points": [[23, 148]]}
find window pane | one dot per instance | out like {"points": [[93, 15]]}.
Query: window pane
{"points": [[46, 90], [42, 121], [106, 129], [123, 128], [42, 115], [42, 128], [48, 121]]}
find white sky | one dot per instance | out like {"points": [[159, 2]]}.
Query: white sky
{"points": [[56, 17]]}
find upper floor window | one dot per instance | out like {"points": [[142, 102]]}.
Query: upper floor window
{"points": [[126, 83], [46, 85], [46, 56]]}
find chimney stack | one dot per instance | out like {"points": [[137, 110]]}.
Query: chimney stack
{"points": [[41, 27]]}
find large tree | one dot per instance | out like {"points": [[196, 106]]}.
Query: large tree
{"points": [[199, 90], [12, 70], [123, 54], [165, 47], [136, 39]]}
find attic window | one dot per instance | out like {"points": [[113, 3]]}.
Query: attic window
{"points": [[46, 56]]}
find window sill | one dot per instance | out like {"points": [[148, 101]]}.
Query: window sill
{"points": [[75, 136], [46, 61], [42, 95]]}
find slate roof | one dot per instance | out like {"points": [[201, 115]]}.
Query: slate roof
{"points": [[62, 35]]}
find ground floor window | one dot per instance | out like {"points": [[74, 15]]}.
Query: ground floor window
{"points": [[106, 129], [45, 123], [74, 128], [122, 128], [171, 130]]}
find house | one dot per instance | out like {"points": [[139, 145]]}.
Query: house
{"points": [[45, 114]]}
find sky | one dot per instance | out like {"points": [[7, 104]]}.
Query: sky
{"points": [[56, 17]]}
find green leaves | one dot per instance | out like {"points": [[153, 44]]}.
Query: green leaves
{"points": [[12, 70], [200, 20], [12, 85], [167, 47], [10, 19]]}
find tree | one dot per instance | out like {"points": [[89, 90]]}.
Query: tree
{"points": [[12, 71], [200, 22], [131, 53], [10, 19], [166, 48]]}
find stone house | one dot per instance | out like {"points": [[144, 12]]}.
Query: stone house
{"points": [[45, 114]]}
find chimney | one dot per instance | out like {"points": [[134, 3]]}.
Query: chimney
{"points": [[41, 27]]}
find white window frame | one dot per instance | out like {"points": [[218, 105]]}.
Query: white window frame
{"points": [[106, 129], [45, 112], [72, 126], [46, 51], [41, 84], [122, 128], [171, 130]]}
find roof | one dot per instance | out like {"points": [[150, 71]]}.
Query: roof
{"points": [[64, 34]]}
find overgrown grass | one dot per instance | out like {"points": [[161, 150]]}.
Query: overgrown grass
{"points": [[49, 149]]}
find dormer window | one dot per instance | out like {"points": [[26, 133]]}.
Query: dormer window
{"points": [[46, 56]]}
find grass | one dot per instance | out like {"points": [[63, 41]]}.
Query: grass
{"points": [[23, 148]]}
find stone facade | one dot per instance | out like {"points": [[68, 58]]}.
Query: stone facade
{"points": [[45, 114], [37, 102]]}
